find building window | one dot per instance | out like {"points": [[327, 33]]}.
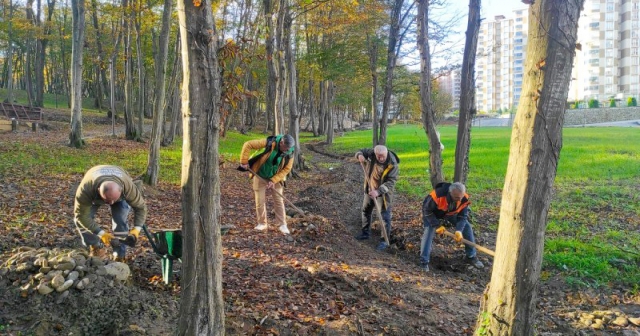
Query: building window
{"points": [[518, 55], [594, 61], [518, 34], [594, 25], [518, 62], [609, 17], [518, 76], [519, 19], [609, 25], [634, 34], [609, 43], [517, 69], [609, 89], [634, 51], [609, 80], [517, 40], [608, 53], [609, 61], [518, 48], [610, 6], [609, 34]]}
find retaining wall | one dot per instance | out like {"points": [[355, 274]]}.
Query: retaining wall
{"points": [[600, 115]]}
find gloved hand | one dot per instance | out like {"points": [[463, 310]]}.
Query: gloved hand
{"points": [[105, 237], [458, 237], [132, 238], [441, 230]]}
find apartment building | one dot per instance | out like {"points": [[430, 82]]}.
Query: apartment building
{"points": [[450, 84], [607, 66], [500, 61]]}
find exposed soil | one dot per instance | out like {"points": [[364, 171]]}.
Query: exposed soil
{"points": [[320, 281]]}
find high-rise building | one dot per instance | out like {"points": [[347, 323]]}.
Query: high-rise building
{"points": [[450, 83], [500, 61], [606, 64]]}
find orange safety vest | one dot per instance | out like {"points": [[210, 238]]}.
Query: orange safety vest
{"points": [[439, 196]]}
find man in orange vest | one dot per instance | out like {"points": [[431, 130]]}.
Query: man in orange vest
{"points": [[448, 201]]}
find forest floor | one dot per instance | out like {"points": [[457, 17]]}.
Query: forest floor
{"points": [[317, 281]]}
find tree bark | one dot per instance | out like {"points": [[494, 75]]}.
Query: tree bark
{"points": [[41, 47], [129, 122], [292, 85], [509, 304], [77, 45], [426, 105], [281, 75], [372, 49], [467, 94], [330, 114], [100, 67], [272, 75], [10, 97], [394, 31], [153, 165], [201, 302]]}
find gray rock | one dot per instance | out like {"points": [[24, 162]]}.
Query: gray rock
{"points": [[82, 284], [119, 270], [62, 296], [44, 289], [57, 281], [101, 270], [65, 266], [24, 267], [45, 270], [66, 285], [73, 275], [39, 276]]}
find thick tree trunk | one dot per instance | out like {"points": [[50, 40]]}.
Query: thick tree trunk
{"points": [[10, 97], [312, 109], [141, 78], [153, 164], [467, 94], [41, 45], [426, 105], [129, 121], [394, 31], [281, 75], [330, 114], [372, 48], [536, 140], [173, 102], [100, 66], [201, 302], [272, 75], [292, 85], [77, 45]]}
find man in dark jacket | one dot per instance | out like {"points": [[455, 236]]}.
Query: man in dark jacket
{"points": [[113, 186], [381, 173], [448, 201]]}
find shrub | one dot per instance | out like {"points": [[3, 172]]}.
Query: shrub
{"points": [[594, 103], [631, 101], [612, 102]]}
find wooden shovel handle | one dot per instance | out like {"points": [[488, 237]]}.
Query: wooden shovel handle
{"points": [[478, 247]]}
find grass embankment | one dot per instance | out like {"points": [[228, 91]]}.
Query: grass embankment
{"points": [[593, 232]]}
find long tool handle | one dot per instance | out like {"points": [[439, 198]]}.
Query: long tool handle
{"points": [[478, 247], [378, 208], [278, 193]]}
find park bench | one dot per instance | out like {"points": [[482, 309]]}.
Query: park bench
{"points": [[21, 112]]}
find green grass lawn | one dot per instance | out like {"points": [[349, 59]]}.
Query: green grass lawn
{"points": [[593, 227], [593, 233]]}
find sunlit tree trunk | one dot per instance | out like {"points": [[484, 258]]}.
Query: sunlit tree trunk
{"points": [[467, 93], [201, 301], [10, 97], [508, 306], [394, 31], [426, 105], [292, 84], [330, 113], [272, 75], [77, 45], [129, 122], [153, 164], [372, 49]]}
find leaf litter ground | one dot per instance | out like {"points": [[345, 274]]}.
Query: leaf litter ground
{"points": [[320, 281]]}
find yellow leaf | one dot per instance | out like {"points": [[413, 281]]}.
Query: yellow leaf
{"points": [[197, 3]]}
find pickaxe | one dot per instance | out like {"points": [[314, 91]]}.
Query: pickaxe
{"points": [[478, 247]]}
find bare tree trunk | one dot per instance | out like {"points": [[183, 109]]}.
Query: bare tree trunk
{"points": [[153, 165], [428, 115], [330, 113], [312, 109], [173, 105], [394, 31], [201, 302], [372, 48], [322, 109], [141, 79], [77, 45], [294, 113], [281, 76], [536, 140], [129, 122], [467, 94], [41, 47], [10, 97], [101, 74], [272, 75]]}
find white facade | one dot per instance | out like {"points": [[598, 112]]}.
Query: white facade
{"points": [[606, 66], [451, 85]]}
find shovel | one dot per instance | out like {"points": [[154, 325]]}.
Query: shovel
{"points": [[378, 209], [478, 247]]}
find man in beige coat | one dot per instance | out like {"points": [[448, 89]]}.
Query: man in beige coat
{"points": [[113, 186]]}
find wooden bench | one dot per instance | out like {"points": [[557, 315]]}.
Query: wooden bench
{"points": [[21, 112]]}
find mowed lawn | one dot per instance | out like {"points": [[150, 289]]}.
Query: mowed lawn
{"points": [[593, 232]]}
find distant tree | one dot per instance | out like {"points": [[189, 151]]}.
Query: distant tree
{"points": [[594, 103], [631, 101]]}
